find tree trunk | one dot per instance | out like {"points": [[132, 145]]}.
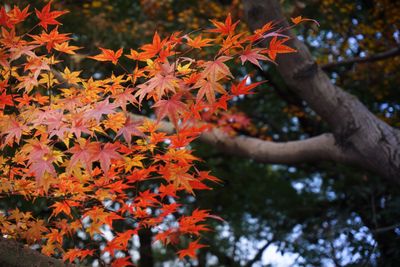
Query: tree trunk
{"points": [[145, 250], [356, 129]]}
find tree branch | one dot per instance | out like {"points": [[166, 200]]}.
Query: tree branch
{"points": [[14, 254], [317, 148], [259, 254], [376, 57]]}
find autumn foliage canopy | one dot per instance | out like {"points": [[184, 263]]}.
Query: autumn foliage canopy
{"points": [[75, 142]]}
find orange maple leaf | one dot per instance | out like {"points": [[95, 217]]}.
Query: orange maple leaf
{"points": [[63, 206], [198, 42], [300, 19], [66, 48], [108, 55], [226, 28], [277, 47]]}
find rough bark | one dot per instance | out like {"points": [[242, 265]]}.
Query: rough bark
{"points": [[356, 129], [14, 254]]}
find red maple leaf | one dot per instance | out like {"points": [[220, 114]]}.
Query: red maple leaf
{"points": [[48, 17], [122, 262], [158, 86], [106, 154], [191, 250], [170, 108], [242, 88], [17, 15], [100, 108], [84, 152], [253, 55], [5, 99], [130, 128], [4, 18]]}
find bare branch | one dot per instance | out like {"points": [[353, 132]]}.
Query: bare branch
{"points": [[259, 254], [376, 57]]}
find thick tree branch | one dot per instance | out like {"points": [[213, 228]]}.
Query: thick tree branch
{"points": [[14, 254], [317, 148], [376, 57], [355, 128]]}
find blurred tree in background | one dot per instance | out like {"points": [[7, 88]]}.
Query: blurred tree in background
{"points": [[321, 214]]}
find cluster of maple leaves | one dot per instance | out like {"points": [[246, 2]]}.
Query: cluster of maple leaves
{"points": [[75, 142]]}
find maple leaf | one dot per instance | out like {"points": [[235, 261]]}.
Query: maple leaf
{"points": [[253, 55], [64, 207], [226, 28], [124, 97], [50, 39], [105, 155], [159, 84], [150, 50], [108, 55], [167, 190], [208, 88], [24, 100], [35, 230], [48, 17], [100, 108], [55, 236], [178, 176], [130, 128], [216, 69], [36, 65], [277, 47], [66, 48], [71, 77], [205, 175], [5, 100], [84, 151], [170, 236], [242, 88], [122, 262], [75, 253], [169, 209], [231, 42], [170, 108], [146, 199], [17, 15], [190, 250], [13, 130], [19, 50], [4, 18], [41, 158], [300, 19], [198, 42]]}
